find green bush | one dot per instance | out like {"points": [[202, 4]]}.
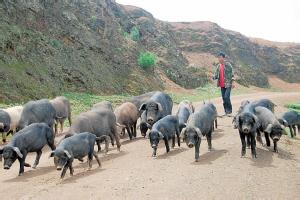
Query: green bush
{"points": [[135, 34], [147, 60], [55, 43]]}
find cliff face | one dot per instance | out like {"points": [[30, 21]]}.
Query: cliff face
{"points": [[48, 47]]}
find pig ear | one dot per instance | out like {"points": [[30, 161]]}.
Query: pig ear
{"points": [[143, 107], [256, 121], [198, 132], [51, 154], [159, 107], [161, 136], [269, 128], [17, 150], [182, 134], [67, 154], [285, 123]]}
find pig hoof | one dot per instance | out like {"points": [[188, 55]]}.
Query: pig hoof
{"points": [[197, 160], [34, 167], [254, 156], [27, 165], [242, 156], [21, 174]]}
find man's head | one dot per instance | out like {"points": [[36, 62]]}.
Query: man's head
{"points": [[221, 57]]}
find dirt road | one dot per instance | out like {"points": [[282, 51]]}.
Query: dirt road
{"points": [[133, 174]]}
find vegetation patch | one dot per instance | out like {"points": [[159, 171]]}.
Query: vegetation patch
{"points": [[147, 60]]}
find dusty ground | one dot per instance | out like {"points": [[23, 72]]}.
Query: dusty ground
{"points": [[133, 174]]}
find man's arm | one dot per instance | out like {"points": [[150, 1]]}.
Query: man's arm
{"points": [[216, 73]]}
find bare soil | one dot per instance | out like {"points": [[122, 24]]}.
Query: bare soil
{"points": [[134, 174]]}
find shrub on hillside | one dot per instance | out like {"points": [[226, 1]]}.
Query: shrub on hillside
{"points": [[135, 34], [147, 60]]}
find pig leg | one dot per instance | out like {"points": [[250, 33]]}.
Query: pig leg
{"points": [[37, 159], [258, 137], [298, 129], [173, 141], [134, 129], [55, 128], [71, 169], [154, 152], [61, 125], [208, 138], [275, 147], [197, 151], [112, 140], [216, 123], [117, 137], [248, 137], [291, 131], [294, 128], [267, 139], [90, 159], [63, 173], [99, 146], [22, 163], [242, 136], [50, 141], [106, 143], [129, 132], [253, 146], [167, 144], [97, 159], [178, 137]]}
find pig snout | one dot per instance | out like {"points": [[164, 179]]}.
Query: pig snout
{"points": [[276, 138], [153, 145], [6, 167], [190, 145], [150, 120], [246, 129]]}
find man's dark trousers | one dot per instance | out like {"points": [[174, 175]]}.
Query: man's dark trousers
{"points": [[226, 100]]}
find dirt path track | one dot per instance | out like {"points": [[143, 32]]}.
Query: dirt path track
{"points": [[133, 174]]}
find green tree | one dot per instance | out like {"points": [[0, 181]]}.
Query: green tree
{"points": [[147, 60]]}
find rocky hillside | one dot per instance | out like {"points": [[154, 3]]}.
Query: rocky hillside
{"points": [[48, 47], [253, 59]]}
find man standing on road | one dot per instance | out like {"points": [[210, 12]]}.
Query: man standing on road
{"points": [[224, 76]]}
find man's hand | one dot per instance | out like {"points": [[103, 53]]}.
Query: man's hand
{"points": [[232, 85]]}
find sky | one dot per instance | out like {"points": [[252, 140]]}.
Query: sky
{"points": [[277, 20]]}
